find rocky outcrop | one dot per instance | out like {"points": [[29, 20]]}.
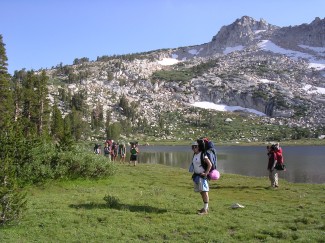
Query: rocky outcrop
{"points": [[312, 35], [242, 32]]}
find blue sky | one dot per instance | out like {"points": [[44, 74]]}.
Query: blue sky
{"points": [[44, 33]]}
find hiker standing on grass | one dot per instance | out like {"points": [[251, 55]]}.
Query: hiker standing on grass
{"points": [[107, 150], [134, 154], [200, 176], [122, 152], [273, 173]]}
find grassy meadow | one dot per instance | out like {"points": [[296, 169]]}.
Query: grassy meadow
{"points": [[156, 203]]}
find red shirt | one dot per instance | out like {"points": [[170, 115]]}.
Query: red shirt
{"points": [[279, 156]]}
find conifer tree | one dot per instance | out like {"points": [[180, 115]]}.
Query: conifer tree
{"points": [[12, 201], [6, 103], [97, 117], [57, 123], [34, 103], [42, 106], [114, 131], [17, 80]]}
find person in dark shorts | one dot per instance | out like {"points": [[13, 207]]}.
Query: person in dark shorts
{"points": [[134, 154]]}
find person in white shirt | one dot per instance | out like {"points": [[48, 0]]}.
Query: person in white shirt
{"points": [[201, 167]]}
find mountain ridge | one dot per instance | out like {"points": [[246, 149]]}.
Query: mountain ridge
{"points": [[249, 63]]}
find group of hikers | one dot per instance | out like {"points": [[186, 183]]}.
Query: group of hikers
{"points": [[205, 161], [114, 150]]}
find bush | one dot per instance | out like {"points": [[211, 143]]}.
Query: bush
{"points": [[49, 162]]}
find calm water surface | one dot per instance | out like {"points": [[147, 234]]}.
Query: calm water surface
{"points": [[305, 164]]}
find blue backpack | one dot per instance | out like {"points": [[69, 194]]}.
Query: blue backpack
{"points": [[209, 150]]}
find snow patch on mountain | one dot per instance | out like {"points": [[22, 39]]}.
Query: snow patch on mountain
{"points": [[268, 45], [221, 107], [193, 51], [319, 50], [266, 81], [232, 49], [168, 61], [313, 89], [258, 31]]}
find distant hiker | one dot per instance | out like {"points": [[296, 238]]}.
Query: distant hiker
{"points": [[97, 149], [279, 153], [107, 150], [122, 152], [113, 148], [273, 173], [116, 146], [201, 166], [134, 154]]}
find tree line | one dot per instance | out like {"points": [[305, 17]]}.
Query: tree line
{"points": [[37, 141]]}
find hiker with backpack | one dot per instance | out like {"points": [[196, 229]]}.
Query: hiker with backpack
{"points": [[113, 150], [134, 154], [271, 166], [107, 150], [122, 152], [201, 166]]}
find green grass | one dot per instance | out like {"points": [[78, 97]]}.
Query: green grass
{"points": [[156, 203]]}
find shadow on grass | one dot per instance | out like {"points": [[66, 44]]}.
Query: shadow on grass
{"points": [[119, 206], [239, 187]]}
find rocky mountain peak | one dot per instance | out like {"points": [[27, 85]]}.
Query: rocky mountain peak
{"points": [[241, 32], [316, 20], [251, 24], [312, 34]]}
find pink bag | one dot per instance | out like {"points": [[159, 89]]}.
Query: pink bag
{"points": [[214, 175]]}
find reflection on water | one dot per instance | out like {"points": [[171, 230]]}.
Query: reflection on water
{"points": [[305, 164]]}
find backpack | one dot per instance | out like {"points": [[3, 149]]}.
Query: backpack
{"points": [[207, 147], [106, 150]]}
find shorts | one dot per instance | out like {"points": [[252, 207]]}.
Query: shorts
{"points": [[133, 157], [201, 184]]}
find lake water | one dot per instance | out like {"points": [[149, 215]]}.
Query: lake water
{"points": [[305, 164]]}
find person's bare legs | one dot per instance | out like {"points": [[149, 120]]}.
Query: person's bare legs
{"points": [[205, 198]]}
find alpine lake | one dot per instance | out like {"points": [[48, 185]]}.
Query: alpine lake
{"points": [[304, 164]]}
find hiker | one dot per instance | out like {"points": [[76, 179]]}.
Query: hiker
{"points": [[279, 154], [200, 176], [122, 152], [134, 154], [97, 149], [106, 150], [273, 173], [113, 145], [116, 146]]}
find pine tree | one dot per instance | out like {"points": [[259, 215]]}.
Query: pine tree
{"points": [[114, 131], [42, 106], [97, 117], [12, 201], [57, 123], [28, 104], [17, 80], [6, 102], [34, 103]]}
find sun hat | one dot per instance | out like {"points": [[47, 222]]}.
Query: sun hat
{"points": [[195, 144]]}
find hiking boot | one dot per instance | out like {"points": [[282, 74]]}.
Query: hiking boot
{"points": [[203, 211]]}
